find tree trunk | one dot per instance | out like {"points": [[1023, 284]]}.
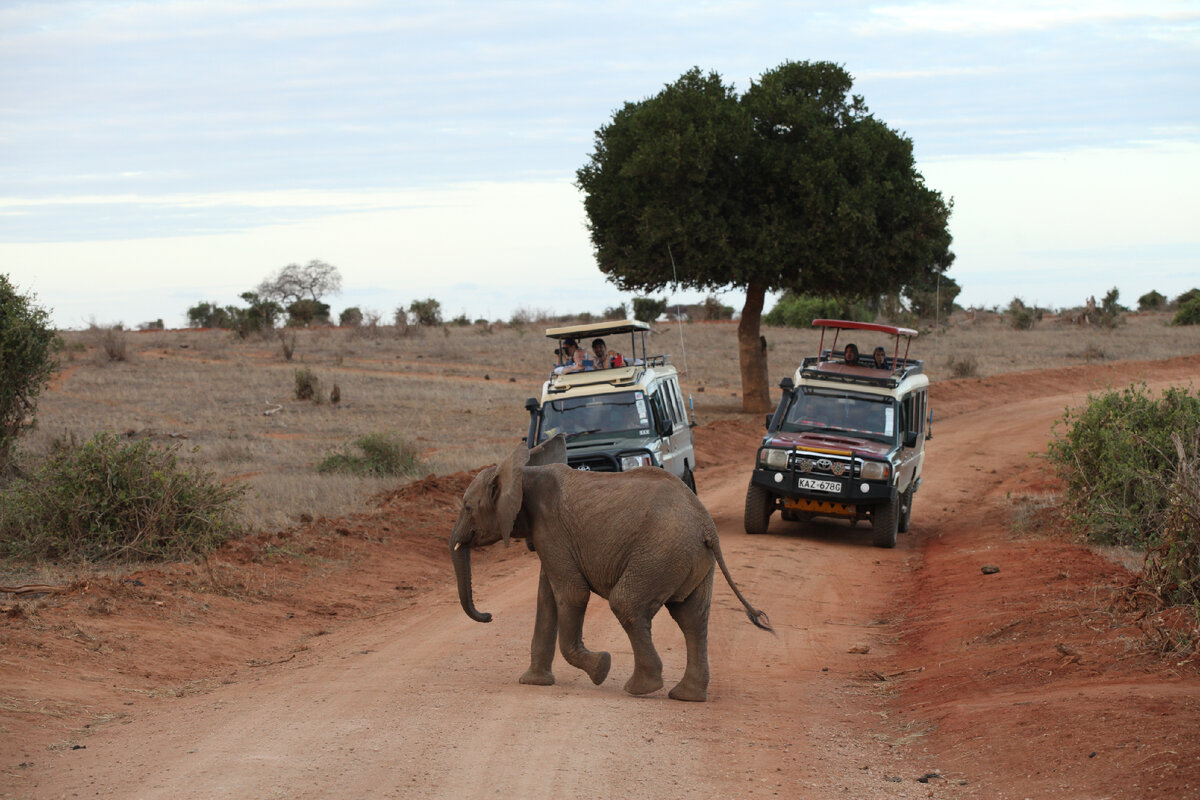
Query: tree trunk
{"points": [[752, 353]]}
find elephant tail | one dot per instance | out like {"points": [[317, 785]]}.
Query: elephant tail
{"points": [[759, 618]]}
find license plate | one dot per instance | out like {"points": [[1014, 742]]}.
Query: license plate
{"points": [[819, 486]]}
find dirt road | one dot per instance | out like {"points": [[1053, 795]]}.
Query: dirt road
{"points": [[1018, 684]]}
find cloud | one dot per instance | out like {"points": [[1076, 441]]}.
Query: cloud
{"points": [[986, 17]]}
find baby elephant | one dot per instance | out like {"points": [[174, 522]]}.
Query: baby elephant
{"points": [[639, 539]]}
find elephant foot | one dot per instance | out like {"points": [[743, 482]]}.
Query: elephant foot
{"points": [[599, 670], [643, 684], [689, 692], [535, 677]]}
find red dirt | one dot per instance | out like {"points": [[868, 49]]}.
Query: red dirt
{"points": [[332, 660]]}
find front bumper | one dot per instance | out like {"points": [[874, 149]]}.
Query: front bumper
{"points": [[851, 492]]}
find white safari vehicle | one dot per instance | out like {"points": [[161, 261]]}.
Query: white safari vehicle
{"points": [[848, 437], [615, 418]]}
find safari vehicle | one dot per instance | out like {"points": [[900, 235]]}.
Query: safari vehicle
{"points": [[615, 418], [848, 437]]}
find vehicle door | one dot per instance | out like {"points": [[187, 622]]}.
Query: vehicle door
{"points": [[912, 439], [681, 433]]}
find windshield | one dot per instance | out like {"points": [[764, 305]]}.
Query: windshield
{"points": [[619, 412], [826, 412]]}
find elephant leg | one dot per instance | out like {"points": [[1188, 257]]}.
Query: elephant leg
{"points": [[545, 634], [691, 614], [572, 605], [635, 618]]}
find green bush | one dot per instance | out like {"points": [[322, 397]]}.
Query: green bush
{"points": [[377, 454], [1152, 301], [110, 500], [1187, 313], [648, 309], [27, 347], [799, 310], [1112, 455], [1172, 569]]}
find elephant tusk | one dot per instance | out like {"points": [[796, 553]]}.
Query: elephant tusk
{"points": [[457, 545]]}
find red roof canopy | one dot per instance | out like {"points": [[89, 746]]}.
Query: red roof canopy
{"points": [[845, 324]]}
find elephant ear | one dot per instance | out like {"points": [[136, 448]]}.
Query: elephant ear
{"points": [[507, 490], [551, 451]]}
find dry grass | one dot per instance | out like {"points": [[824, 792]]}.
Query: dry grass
{"points": [[456, 393]]}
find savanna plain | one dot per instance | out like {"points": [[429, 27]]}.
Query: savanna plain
{"points": [[323, 653]]}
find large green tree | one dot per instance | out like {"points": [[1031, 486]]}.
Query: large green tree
{"points": [[792, 185], [26, 363]]}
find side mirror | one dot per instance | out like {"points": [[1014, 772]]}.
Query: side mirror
{"points": [[666, 428], [910, 439], [768, 422], [531, 404]]}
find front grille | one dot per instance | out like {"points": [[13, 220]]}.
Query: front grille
{"points": [[822, 464], [593, 463]]}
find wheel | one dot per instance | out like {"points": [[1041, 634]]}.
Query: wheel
{"points": [[906, 501], [759, 505], [885, 521]]}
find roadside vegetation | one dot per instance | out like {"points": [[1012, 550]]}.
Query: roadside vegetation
{"points": [[1131, 465], [376, 454], [114, 500]]}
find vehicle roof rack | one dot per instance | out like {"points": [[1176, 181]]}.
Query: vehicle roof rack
{"points": [[637, 357], [828, 364]]}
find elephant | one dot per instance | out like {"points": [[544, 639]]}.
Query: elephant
{"points": [[639, 539]]}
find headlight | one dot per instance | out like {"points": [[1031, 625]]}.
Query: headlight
{"points": [[633, 462], [875, 470], [774, 458]]}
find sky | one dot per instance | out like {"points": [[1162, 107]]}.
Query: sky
{"points": [[154, 155]]}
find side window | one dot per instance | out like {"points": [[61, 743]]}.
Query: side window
{"points": [[677, 403], [660, 409], [922, 401], [906, 413]]}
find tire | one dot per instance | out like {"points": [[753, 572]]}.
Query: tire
{"points": [[759, 505], [885, 521], [906, 503], [689, 480]]}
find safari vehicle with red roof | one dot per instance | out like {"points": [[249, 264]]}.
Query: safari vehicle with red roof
{"points": [[848, 437], [624, 413]]}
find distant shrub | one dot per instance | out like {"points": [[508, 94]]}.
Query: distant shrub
{"points": [[303, 313], [351, 317], [1151, 301], [1022, 317], [620, 311], [109, 499], [1112, 455], [307, 385], [287, 344], [152, 325], [1187, 313], [648, 309], [112, 341], [427, 312], [962, 366], [374, 454], [799, 310], [1186, 297]]}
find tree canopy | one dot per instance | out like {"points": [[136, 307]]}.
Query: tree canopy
{"points": [[793, 185], [27, 344], [294, 283]]}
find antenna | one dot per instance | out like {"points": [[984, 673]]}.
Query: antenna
{"points": [[678, 316]]}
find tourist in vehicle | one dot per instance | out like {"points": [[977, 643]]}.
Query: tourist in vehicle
{"points": [[572, 358], [850, 355], [605, 359], [880, 356]]}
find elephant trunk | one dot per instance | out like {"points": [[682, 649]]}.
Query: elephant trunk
{"points": [[460, 554]]}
